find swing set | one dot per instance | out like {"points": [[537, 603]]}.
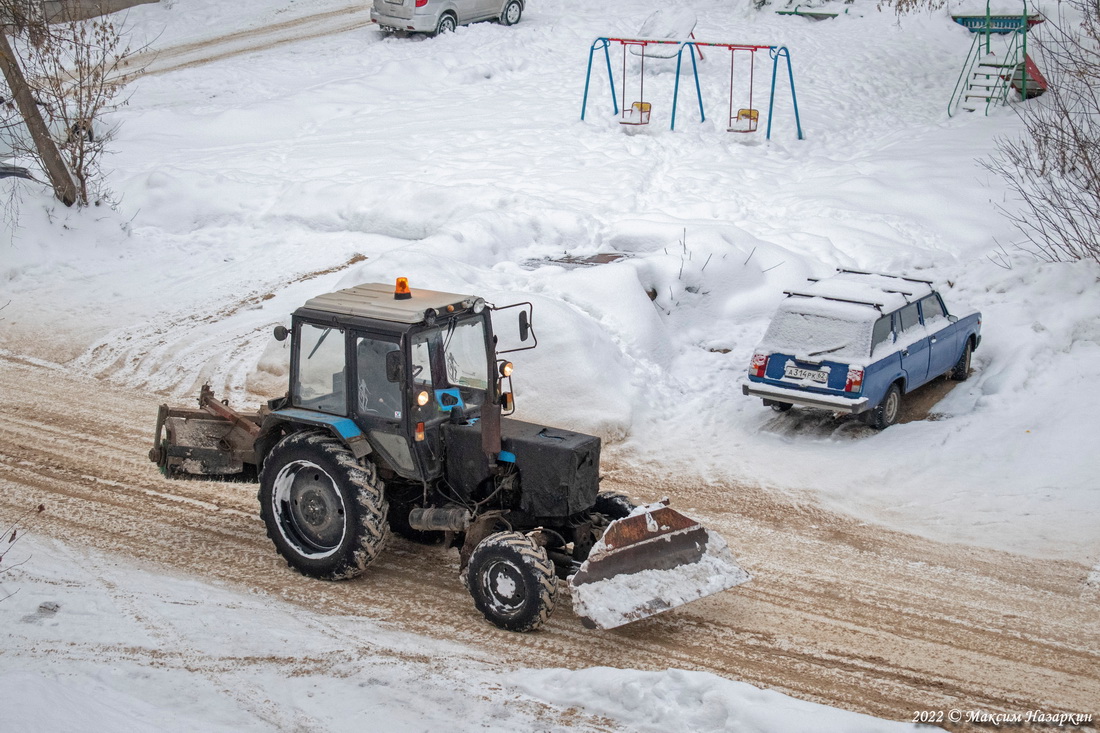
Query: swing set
{"points": [[745, 120]]}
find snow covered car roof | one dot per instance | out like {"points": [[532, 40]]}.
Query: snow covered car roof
{"points": [[854, 294]]}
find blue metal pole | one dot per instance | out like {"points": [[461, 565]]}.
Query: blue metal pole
{"points": [[771, 99], [588, 75], [776, 52], [587, 79], [610, 76], [794, 99], [698, 91], [676, 86]]}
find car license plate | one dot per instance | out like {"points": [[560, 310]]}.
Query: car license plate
{"points": [[793, 372]]}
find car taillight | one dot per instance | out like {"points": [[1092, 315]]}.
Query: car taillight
{"points": [[421, 3], [854, 383], [759, 364]]}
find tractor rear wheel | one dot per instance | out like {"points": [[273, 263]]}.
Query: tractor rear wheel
{"points": [[512, 581], [324, 510]]}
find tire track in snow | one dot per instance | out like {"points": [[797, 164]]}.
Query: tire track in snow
{"points": [[197, 53], [840, 613]]}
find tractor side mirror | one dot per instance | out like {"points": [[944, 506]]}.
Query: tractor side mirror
{"points": [[394, 367], [281, 333], [524, 326]]}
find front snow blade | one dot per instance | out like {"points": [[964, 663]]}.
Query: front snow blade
{"points": [[649, 562]]}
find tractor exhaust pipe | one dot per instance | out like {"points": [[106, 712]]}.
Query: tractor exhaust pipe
{"points": [[450, 518]]}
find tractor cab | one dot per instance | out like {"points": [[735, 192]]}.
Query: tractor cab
{"points": [[393, 368]]}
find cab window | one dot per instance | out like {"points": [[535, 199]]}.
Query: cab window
{"points": [[321, 374], [375, 394]]}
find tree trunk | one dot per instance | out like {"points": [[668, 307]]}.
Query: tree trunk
{"points": [[64, 188]]}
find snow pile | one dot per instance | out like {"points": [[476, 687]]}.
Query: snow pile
{"points": [[679, 701]]}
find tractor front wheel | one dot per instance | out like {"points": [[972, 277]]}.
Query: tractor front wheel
{"points": [[323, 509], [512, 581]]}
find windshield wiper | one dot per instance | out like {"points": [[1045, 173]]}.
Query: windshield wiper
{"points": [[319, 342], [829, 351]]}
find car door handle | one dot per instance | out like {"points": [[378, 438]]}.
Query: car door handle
{"points": [[933, 339], [905, 352]]}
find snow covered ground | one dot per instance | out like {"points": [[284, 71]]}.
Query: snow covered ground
{"points": [[95, 644], [249, 184]]}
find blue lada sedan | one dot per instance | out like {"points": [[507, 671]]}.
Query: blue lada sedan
{"points": [[857, 342]]}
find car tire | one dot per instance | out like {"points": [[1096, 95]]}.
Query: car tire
{"points": [[781, 406], [512, 12], [961, 371], [885, 413], [447, 24], [512, 581]]}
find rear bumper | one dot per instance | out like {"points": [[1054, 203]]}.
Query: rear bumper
{"points": [[416, 24], [806, 399]]}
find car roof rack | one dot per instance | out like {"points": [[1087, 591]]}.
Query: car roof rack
{"points": [[832, 297], [884, 274]]}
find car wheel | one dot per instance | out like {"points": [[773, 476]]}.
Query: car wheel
{"points": [[512, 13], [886, 412], [447, 24], [781, 406], [961, 371]]}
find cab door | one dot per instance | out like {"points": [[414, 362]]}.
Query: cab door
{"points": [[379, 398]]}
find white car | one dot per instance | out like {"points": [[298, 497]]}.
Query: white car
{"points": [[442, 16]]}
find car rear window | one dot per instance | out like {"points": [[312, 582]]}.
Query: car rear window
{"points": [[818, 336]]}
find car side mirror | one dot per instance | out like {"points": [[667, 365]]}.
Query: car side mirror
{"points": [[394, 366], [953, 319]]}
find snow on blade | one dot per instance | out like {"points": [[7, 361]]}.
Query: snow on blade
{"points": [[652, 561]]}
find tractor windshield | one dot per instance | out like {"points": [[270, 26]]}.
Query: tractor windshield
{"points": [[452, 357]]}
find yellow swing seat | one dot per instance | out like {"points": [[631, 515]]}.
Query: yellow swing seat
{"points": [[745, 121], [638, 114]]}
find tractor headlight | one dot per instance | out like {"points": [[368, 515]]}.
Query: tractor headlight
{"points": [[423, 398], [479, 305], [505, 368]]}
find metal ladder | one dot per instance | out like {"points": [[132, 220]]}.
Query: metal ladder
{"points": [[987, 75]]}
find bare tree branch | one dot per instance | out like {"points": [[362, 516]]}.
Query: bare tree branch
{"points": [[66, 73], [1054, 167]]}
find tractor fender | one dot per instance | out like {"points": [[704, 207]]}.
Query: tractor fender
{"points": [[280, 422]]}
